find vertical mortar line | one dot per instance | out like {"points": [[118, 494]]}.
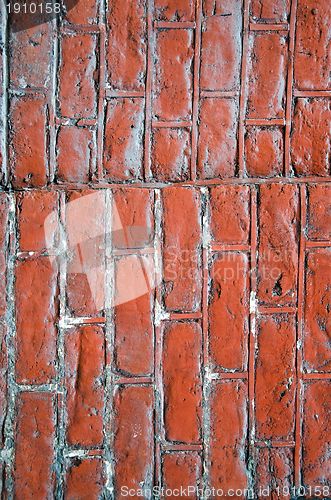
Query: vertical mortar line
{"points": [[196, 88], [108, 425], [243, 93], [300, 313], [252, 337], [102, 86], [52, 102], [289, 89], [148, 93], [5, 96]]}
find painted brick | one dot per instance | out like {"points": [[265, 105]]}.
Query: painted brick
{"points": [[174, 10], [27, 148], [274, 472], [171, 154], [316, 434], [228, 428], [181, 470], [34, 435], [85, 480], [264, 152], [229, 311], [123, 150], [75, 154], [84, 380], [126, 49], [270, 11], [267, 76], [36, 314], [217, 143], [173, 76], [275, 371], [311, 137], [133, 445], [181, 254], [278, 244], [77, 76], [3, 382], [312, 49], [182, 382], [4, 221], [83, 12], [319, 212], [317, 347], [221, 45]]}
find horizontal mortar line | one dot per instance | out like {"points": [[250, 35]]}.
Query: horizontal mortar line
{"points": [[27, 90], [82, 452], [82, 122], [268, 27], [67, 322], [317, 244], [277, 310], [133, 380], [312, 93], [56, 388], [219, 247], [316, 376], [265, 121], [183, 316], [219, 93], [174, 25], [181, 447], [133, 251], [218, 375], [274, 444], [68, 29], [124, 93], [173, 124], [31, 254]]}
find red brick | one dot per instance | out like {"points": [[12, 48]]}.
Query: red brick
{"points": [[312, 49], [267, 76], [133, 322], [34, 436], [4, 215], [311, 137], [83, 12], [278, 244], [182, 381], [85, 480], [37, 213], [173, 75], [181, 254], [123, 153], [217, 143], [270, 11], [275, 371], [33, 43], [274, 472], [229, 218], [264, 152], [317, 434], [36, 314], [171, 153], [126, 49], [27, 148], [319, 212], [181, 470], [228, 435], [229, 310], [221, 45], [84, 379], [75, 154], [133, 445], [317, 347], [78, 76], [3, 382], [174, 10]]}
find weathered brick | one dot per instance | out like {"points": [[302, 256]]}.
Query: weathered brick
{"points": [[181, 470], [77, 76], [36, 313], [316, 470], [182, 381], [4, 229], [278, 244], [34, 437], [267, 76], [229, 214], [84, 480], [83, 12], [173, 75], [3, 382], [126, 49], [221, 45], [317, 347], [75, 154], [274, 472], [37, 214], [217, 143], [312, 65], [319, 212], [170, 157], [229, 311], [270, 11], [264, 152], [228, 435], [27, 148], [84, 381], [174, 10], [181, 254], [123, 150], [275, 371], [133, 445], [311, 137]]}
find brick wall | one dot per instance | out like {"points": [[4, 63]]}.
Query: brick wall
{"points": [[183, 146]]}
